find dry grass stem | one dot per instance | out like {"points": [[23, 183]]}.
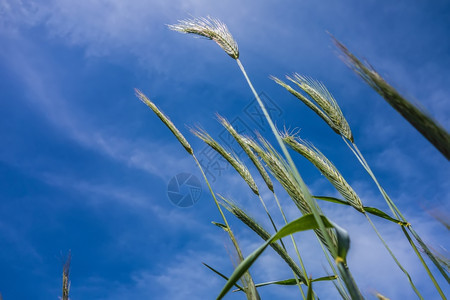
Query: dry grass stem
{"points": [[212, 29]]}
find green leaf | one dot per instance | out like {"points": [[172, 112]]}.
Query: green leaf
{"points": [[223, 226], [221, 275], [343, 244], [382, 214], [307, 222], [332, 199], [371, 210], [325, 278], [293, 281]]}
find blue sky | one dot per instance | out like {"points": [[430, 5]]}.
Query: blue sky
{"points": [[84, 165]]}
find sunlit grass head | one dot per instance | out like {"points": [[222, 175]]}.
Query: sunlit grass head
{"points": [[210, 28]]}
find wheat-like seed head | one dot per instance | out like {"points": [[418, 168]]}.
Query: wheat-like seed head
{"points": [[165, 120], [285, 176], [232, 159], [327, 107], [264, 234], [210, 28], [247, 150], [417, 117], [325, 166]]}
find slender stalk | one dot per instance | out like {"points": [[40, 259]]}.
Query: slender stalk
{"points": [[292, 237], [340, 288], [350, 282], [302, 185], [249, 281], [348, 279], [393, 256], [399, 215], [284, 247], [411, 242]]}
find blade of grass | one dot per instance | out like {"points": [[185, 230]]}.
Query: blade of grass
{"points": [[250, 288], [371, 210], [223, 276], [304, 223]]}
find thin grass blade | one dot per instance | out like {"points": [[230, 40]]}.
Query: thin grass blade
{"points": [[304, 223], [223, 276], [371, 210]]}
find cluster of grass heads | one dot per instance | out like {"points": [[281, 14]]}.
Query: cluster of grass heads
{"points": [[333, 239]]}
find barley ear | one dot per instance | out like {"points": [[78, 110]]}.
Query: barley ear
{"points": [[232, 159], [165, 120], [429, 128], [66, 280], [322, 103], [326, 167], [210, 28], [241, 141]]}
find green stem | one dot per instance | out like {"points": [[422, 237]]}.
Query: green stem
{"points": [[411, 242], [252, 293], [307, 195], [394, 209], [293, 243], [292, 237], [284, 247], [298, 178], [393, 256], [349, 280], [340, 288]]}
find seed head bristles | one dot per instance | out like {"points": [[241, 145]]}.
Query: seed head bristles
{"points": [[283, 173], [165, 120], [247, 150], [417, 117], [278, 167], [327, 107], [66, 281], [210, 28], [325, 166], [264, 234], [319, 93], [232, 159]]}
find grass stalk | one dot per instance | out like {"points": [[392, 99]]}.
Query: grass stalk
{"points": [[217, 31], [259, 230], [326, 167], [250, 290], [328, 109], [299, 180], [242, 142], [399, 215], [393, 257]]}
